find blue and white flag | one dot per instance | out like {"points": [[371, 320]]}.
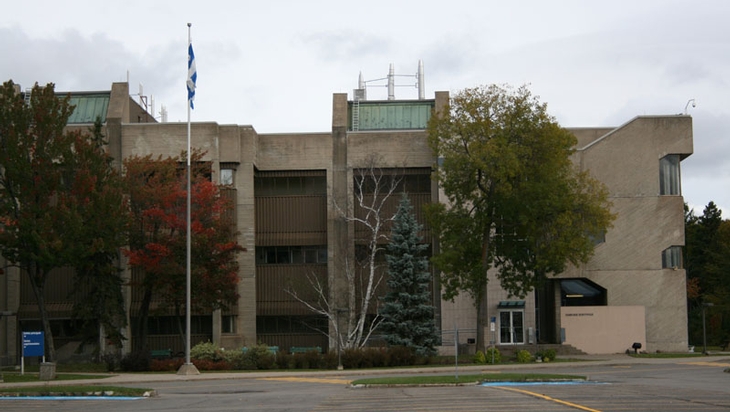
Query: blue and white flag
{"points": [[192, 75]]}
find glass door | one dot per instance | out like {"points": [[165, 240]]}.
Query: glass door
{"points": [[511, 327]]}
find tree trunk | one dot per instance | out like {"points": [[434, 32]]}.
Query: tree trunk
{"points": [[180, 327], [38, 282], [144, 312], [482, 320], [351, 312], [482, 300]]}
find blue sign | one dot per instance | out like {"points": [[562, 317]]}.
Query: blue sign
{"points": [[33, 344]]}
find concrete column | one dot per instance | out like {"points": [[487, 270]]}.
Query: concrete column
{"points": [[245, 328], [339, 245]]}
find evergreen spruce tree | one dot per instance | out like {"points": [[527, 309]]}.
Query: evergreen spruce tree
{"points": [[407, 310]]}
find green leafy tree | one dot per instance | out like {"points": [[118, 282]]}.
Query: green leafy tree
{"points": [[719, 274], [707, 262], [515, 201], [97, 291], [52, 192], [158, 238], [407, 312]]}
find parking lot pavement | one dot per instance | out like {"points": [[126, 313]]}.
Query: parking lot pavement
{"points": [[619, 384]]}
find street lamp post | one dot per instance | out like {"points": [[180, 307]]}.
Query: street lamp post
{"points": [[704, 329]]}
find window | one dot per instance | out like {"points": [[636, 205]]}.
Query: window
{"points": [[169, 325], [669, 182], [672, 257], [294, 183], [290, 324], [227, 177], [599, 238], [228, 324], [282, 255], [416, 180], [582, 292]]}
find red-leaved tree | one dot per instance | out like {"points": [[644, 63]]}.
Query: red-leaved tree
{"points": [[158, 238]]}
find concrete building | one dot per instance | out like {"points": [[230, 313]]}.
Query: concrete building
{"points": [[633, 289], [290, 189]]}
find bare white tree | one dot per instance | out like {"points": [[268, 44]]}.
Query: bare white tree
{"points": [[370, 215]]}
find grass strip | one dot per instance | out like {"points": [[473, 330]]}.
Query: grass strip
{"points": [[75, 390], [667, 355], [15, 377], [452, 379]]}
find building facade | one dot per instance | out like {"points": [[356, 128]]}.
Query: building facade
{"points": [[292, 191]]}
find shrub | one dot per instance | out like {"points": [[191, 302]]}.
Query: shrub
{"points": [[524, 356], [284, 361], [313, 359], [480, 358], [138, 361], [547, 355], [166, 365], [351, 358], [211, 365], [258, 357], [401, 356], [375, 358], [355, 358], [329, 360], [235, 358], [266, 360], [206, 351], [493, 356], [111, 360]]}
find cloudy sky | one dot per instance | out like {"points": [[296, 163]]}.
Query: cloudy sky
{"points": [[275, 64]]}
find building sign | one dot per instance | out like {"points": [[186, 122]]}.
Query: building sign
{"points": [[33, 344]]}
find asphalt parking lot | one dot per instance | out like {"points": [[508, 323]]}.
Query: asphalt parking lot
{"points": [[616, 384]]}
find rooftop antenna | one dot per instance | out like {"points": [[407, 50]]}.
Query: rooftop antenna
{"points": [[361, 92], [391, 82], [142, 97], [421, 81]]}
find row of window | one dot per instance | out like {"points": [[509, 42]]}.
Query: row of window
{"points": [[669, 181], [171, 325], [291, 324], [290, 185], [283, 255]]}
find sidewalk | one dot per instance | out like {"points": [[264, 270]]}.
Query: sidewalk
{"points": [[582, 360]]}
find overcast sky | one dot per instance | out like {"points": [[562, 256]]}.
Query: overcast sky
{"points": [[275, 64]]}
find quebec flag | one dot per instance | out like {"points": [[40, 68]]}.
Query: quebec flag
{"points": [[192, 75]]}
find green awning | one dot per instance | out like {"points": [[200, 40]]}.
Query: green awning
{"points": [[511, 304]]}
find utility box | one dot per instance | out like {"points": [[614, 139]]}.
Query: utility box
{"points": [[47, 371]]}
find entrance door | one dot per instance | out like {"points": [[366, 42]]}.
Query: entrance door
{"points": [[511, 327]]}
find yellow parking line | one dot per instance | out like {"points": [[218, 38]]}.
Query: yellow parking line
{"points": [[721, 365], [310, 380], [537, 395]]}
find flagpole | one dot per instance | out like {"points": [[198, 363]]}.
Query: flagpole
{"points": [[187, 266], [188, 368]]}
